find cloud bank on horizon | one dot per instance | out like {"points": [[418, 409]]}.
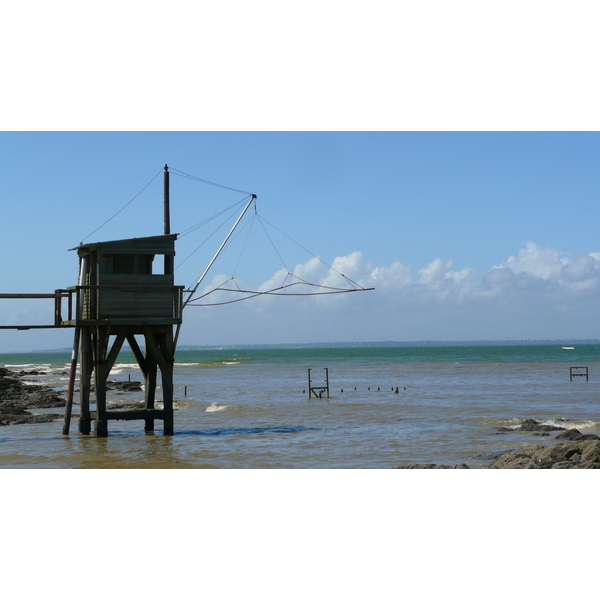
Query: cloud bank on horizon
{"points": [[538, 293]]}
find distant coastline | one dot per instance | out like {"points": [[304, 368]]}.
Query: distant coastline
{"points": [[382, 344], [391, 344]]}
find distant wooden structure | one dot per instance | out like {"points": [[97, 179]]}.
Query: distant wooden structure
{"points": [[578, 372], [319, 386]]}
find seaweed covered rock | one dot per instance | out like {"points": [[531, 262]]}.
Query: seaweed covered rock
{"points": [[533, 425], [44, 398], [574, 435], [16, 398], [579, 455], [126, 386], [11, 387], [433, 466], [10, 408]]}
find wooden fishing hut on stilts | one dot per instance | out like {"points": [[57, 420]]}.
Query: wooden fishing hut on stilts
{"points": [[124, 291]]}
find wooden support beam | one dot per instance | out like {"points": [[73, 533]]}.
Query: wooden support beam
{"points": [[141, 360], [168, 351], [114, 352], [33, 296], [152, 348], [150, 391], [130, 415]]}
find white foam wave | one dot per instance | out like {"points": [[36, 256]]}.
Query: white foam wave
{"points": [[215, 407], [570, 424], [28, 366], [568, 348], [231, 363], [120, 367]]}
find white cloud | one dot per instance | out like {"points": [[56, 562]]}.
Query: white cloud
{"points": [[538, 292], [534, 270], [541, 262]]}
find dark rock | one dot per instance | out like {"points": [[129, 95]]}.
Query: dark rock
{"points": [[576, 435], [433, 466], [127, 405], [541, 433], [26, 396], [530, 425], [45, 398], [11, 409], [533, 425], [591, 453], [126, 386], [580, 455], [11, 388], [27, 419]]}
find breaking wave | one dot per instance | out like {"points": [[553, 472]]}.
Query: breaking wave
{"points": [[215, 407]]}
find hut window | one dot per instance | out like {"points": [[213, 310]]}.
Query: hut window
{"points": [[124, 264]]}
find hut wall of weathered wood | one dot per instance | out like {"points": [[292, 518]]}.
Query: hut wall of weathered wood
{"points": [[126, 280]]}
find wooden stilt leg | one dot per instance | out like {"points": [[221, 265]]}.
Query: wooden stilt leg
{"points": [[85, 381], [167, 348], [71, 388], [101, 345], [150, 385]]}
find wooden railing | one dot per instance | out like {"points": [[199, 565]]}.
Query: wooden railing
{"points": [[75, 297], [57, 296]]}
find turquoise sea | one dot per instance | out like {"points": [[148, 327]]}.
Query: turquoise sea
{"points": [[249, 408]]}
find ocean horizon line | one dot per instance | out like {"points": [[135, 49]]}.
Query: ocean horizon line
{"points": [[372, 344]]}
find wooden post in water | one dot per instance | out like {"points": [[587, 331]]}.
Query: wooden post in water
{"points": [[71, 388]]}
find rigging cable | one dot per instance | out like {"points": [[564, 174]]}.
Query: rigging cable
{"points": [[276, 291], [122, 209], [193, 177], [306, 250], [212, 234], [272, 292], [192, 292], [198, 225]]}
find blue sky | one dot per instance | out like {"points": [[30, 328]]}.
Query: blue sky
{"points": [[471, 235], [444, 154]]}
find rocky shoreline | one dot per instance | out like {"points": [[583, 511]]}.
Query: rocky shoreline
{"points": [[574, 450], [17, 399]]}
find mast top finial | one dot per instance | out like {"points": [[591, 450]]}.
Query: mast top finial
{"points": [[166, 167]]}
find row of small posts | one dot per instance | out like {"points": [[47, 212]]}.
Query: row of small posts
{"points": [[318, 387]]}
